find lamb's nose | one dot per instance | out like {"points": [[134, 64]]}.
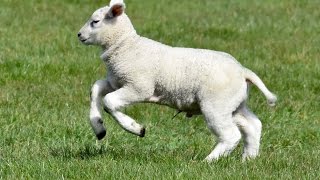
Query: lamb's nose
{"points": [[79, 34]]}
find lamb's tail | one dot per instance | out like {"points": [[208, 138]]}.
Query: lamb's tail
{"points": [[253, 78]]}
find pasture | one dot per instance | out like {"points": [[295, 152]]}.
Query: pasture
{"points": [[46, 75]]}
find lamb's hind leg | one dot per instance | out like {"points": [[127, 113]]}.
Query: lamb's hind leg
{"points": [[221, 124], [121, 98], [99, 89], [250, 127]]}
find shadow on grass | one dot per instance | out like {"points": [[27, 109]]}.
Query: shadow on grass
{"points": [[85, 152], [148, 154]]}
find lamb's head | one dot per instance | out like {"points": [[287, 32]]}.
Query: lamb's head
{"points": [[106, 25]]}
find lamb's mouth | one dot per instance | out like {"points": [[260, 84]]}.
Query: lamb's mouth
{"points": [[83, 40]]}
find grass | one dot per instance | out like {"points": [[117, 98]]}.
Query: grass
{"points": [[46, 74]]}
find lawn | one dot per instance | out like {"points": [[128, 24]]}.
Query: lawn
{"points": [[46, 75]]}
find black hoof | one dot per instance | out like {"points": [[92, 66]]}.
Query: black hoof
{"points": [[98, 128], [142, 132], [101, 134]]}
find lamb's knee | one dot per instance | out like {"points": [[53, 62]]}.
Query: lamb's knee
{"points": [[257, 124], [111, 103], [233, 137], [98, 88], [230, 137]]}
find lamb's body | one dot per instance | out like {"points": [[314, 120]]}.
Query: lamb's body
{"points": [[195, 81], [177, 77]]}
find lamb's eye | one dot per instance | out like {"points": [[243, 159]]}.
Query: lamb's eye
{"points": [[93, 23]]}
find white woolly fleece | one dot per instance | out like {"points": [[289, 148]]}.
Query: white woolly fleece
{"points": [[195, 81]]}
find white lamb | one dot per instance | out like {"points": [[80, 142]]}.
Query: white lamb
{"points": [[194, 81]]}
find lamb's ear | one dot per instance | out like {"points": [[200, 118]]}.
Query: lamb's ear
{"points": [[112, 2], [115, 10]]}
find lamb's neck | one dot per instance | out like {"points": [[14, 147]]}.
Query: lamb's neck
{"points": [[124, 42]]}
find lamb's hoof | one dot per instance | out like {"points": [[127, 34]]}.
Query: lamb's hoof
{"points": [[98, 128], [101, 134], [249, 156], [207, 160], [211, 158], [142, 132]]}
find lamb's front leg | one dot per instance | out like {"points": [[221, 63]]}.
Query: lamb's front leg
{"points": [[99, 89], [121, 98]]}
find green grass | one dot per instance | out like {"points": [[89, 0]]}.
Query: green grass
{"points": [[46, 75]]}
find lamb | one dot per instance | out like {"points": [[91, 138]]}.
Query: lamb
{"points": [[194, 81]]}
